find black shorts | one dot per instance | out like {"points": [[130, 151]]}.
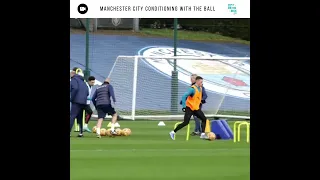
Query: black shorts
{"points": [[198, 113], [199, 109], [103, 110]]}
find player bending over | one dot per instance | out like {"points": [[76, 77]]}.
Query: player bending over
{"points": [[191, 101], [101, 100]]}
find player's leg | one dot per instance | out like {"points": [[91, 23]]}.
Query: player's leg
{"points": [[75, 109], [203, 119], [197, 128], [114, 115], [87, 118], [101, 115], [79, 120], [187, 115]]}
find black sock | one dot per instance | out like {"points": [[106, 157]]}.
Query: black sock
{"points": [[88, 117]]}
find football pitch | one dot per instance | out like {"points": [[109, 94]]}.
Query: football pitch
{"points": [[150, 154]]}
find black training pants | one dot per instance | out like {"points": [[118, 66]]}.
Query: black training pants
{"points": [[187, 116]]}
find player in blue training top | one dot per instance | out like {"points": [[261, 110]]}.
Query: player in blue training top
{"points": [[88, 110], [101, 100], [79, 92], [197, 128], [191, 101]]}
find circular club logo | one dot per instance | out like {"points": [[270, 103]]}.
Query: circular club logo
{"points": [[229, 77], [116, 21]]}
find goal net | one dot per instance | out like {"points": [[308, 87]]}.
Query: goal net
{"points": [[152, 87]]}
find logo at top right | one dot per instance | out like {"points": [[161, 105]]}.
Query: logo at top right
{"points": [[232, 8]]}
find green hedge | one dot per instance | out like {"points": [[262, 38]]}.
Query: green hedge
{"points": [[237, 28]]}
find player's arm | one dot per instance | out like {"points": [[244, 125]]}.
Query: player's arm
{"points": [[94, 97], [204, 95], [190, 92], [73, 89], [111, 92]]}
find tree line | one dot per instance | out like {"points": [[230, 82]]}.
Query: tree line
{"points": [[237, 28]]}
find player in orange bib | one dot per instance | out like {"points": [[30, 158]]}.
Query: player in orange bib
{"points": [[191, 101]]}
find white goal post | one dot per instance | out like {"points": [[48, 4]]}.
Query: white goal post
{"points": [[144, 89]]}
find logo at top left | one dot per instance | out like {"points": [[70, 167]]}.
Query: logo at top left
{"points": [[82, 8]]}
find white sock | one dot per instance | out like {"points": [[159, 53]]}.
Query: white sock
{"points": [[98, 131], [85, 125], [173, 132], [112, 126]]}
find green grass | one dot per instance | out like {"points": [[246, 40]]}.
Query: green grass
{"points": [[150, 154], [192, 35]]}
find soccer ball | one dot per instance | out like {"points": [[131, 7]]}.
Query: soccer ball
{"points": [[94, 129], [211, 136], [118, 131], [103, 132], [121, 133], [127, 131], [109, 133]]}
